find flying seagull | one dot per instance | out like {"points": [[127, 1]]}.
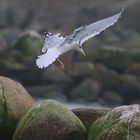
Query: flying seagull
{"points": [[55, 44]]}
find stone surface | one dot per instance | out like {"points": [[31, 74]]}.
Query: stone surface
{"points": [[130, 88], [81, 69], [14, 102], [118, 58], [29, 44], [56, 76], [90, 115], [134, 69], [109, 79], [122, 123], [87, 90], [113, 98], [50, 120]]}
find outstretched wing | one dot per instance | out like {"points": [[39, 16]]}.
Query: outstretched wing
{"points": [[52, 40], [47, 58], [84, 33]]}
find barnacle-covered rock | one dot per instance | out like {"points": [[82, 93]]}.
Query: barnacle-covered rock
{"points": [[122, 123]]}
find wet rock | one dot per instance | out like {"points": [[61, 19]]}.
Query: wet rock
{"points": [[122, 123], [112, 98], [50, 120], [118, 59], [90, 115], [14, 102], [87, 90], [47, 92], [29, 44], [109, 79], [81, 69]]}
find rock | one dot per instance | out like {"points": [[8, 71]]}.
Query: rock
{"points": [[87, 90], [134, 70], [47, 92], [14, 102], [29, 44], [3, 44], [122, 123], [118, 59], [130, 88], [56, 76], [50, 120], [10, 61], [112, 98], [10, 34], [109, 79], [89, 115], [80, 69]]}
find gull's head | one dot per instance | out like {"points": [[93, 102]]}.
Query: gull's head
{"points": [[80, 50]]}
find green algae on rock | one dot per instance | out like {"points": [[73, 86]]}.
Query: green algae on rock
{"points": [[29, 44], [50, 120], [89, 115], [14, 102], [122, 123]]}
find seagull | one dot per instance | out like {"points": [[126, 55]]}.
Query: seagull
{"points": [[56, 45]]}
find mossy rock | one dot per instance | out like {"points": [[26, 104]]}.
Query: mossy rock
{"points": [[14, 102], [118, 59], [122, 123], [90, 115], [50, 120], [29, 44]]}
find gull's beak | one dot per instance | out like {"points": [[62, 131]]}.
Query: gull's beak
{"points": [[82, 51]]}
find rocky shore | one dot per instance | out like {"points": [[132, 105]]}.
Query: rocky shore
{"points": [[22, 118]]}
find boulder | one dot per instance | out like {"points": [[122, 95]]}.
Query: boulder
{"points": [[109, 79], [80, 69], [122, 123], [112, 98], [56, 76], [134, 69], [50, 120], [29, 44], [130, 88], [87, 90], [118, 58], [90, 115], [14, 102]]}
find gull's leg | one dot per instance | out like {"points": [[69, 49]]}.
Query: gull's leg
{"points": [[61, 64]]}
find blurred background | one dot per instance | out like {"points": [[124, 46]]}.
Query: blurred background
{"points": [[108, 75]]}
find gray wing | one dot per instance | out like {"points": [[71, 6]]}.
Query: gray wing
{"points": [[84, 33], [52, 40]]}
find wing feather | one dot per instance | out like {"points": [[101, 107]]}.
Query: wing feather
{"points": [[84, 33], [52, 40], [48, 58]]}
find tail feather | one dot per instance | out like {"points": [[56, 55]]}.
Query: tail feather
{"points": [[48, 58]]}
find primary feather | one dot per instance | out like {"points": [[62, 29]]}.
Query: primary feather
{"points": [[84, 33]]}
